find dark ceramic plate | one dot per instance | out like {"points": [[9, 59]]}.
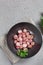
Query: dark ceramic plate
{"points": [[28, 26]]}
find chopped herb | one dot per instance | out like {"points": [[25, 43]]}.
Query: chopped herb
{"points": [[41, 23], [22, 53]]}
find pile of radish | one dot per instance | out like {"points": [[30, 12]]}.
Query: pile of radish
{"points": [[24, 39]]}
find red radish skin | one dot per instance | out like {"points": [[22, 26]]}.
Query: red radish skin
{"points": [[17, 47]]}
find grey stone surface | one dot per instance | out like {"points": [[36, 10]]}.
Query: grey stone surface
{"points": [[14, 11]]}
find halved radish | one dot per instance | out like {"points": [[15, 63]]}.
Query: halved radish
{"points": [[32, 37], [19, 31], [23, 35], [15, 41], [28, 43], [25, 49], [26, 40], [15, 36], [17, 44], [17, 47], [30, 46], [24, 45], [25, 30], [20, 35], [32, 43], [21, 46], [29, 36], [20, 38], [27, 33], [20, 42]]}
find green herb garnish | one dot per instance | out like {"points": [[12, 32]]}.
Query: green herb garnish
{"points": [[22, 53], [41, 23]]}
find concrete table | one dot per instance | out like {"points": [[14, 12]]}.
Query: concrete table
{"points": [[14, 11]]}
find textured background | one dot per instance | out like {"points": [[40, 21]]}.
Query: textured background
{"points": [[13, 11]]}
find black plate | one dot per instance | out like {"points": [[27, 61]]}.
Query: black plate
{"points": [[28, 26]]}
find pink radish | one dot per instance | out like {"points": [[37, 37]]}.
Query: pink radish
{"points": [[32, 43], [15, 41], [23, 35], [20, 38], [24, 42], [17, 44], [21, 46], [20, 35], [24, 45], [15, 36], [24, 30], [31, 36], [19, 31], [21, 42], [24, 39], [30, 46], [25, 49], [17, 47], [28, 43], [27, 33]]}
